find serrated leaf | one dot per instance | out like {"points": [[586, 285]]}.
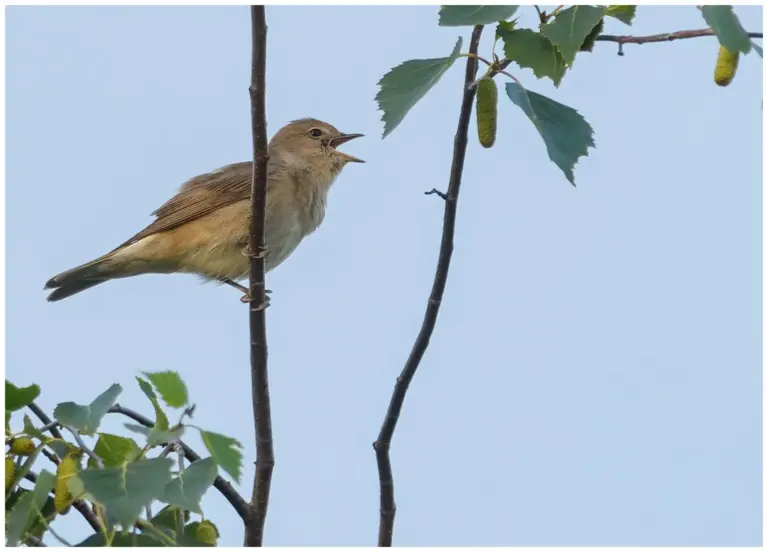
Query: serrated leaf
{"points": [[757, 48], [566, 133], [503, 26], [187, 489], [570, 27], [17, 398], [533, 50], [114, 450], [406, 84], [225, 451], [86, 418], [458, 16], [126, 490], [171, 387], [122, 539], [161, 419], [727, 27], [625, 14], [28, 508]]}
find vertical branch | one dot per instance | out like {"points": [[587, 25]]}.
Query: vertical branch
{"points": [[265, 458], [382, 444]]}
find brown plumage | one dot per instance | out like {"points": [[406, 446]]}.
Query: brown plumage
{"points": [[204, 228]]}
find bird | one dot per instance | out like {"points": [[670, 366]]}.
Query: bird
{"points": [[204, 229]]}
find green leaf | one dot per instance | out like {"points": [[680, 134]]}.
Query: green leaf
{"points": [[565, 132], [126, 490], [625, 14], [533, 50], [156, 437], [32, 431], [39, 526], [225, 451], [25, 467], [727, 27], [161, 420], [114, 450], [28, 508], [86, 419], [123, 539], [505, 26], [457, 16], [187, 489], [171, 387], [757, 49], [17, 398], [406, 84], [570, 28], [170, 519]]}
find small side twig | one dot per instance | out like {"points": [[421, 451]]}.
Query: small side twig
{"points": [[221, 484], [85, 448], [435, 191], [262, 413], [382, 444], [49, 424]]}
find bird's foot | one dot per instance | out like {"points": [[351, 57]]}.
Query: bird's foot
{"points": [[247, 299]]}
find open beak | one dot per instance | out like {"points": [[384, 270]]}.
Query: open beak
{"points": [[341, 139]]}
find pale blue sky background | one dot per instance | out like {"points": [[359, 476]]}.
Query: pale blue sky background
{"points": [[595, 375]]}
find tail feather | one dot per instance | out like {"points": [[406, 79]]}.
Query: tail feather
{"points": [[66, 291], [78, 279]]}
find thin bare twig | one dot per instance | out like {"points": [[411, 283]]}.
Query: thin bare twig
{"points": [[382, 444], [621, 40], [663, 37], [43, 417], [265, 457], [221, 484]]}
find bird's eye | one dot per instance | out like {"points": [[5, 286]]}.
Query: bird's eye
{"points": [[315, 133]]}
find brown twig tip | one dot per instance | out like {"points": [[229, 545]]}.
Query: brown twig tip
{"points": [[435, 191], [387, 507]]}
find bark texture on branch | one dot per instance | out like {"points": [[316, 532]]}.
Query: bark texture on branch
{"points": [[265, 458]]}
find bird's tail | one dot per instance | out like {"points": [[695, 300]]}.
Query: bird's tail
{"points": [[81, 277]]}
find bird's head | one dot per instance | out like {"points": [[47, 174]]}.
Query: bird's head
{"points": [[312, 143]]}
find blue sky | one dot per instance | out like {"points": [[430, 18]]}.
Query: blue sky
{"points": [[595, 374]]}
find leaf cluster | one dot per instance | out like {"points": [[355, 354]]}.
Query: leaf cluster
{"points": [[550, 50], [122, 479]]}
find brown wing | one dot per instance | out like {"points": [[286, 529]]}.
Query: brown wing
{"points": [[199, 196]]}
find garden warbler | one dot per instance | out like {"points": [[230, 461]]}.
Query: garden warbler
{"points": [[204, 228]]}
